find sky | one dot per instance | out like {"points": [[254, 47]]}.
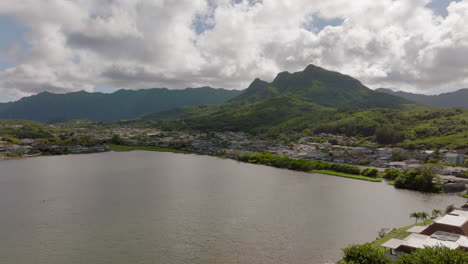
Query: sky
{"points": [[103, 45]]}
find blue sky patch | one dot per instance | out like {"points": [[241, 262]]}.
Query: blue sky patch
{"points": [[317, 23], [440, 6], [102, 88], [12, 34]]}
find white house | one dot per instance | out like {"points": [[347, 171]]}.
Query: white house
{"points": [[454, 158]]}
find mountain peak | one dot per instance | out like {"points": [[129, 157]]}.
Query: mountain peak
{"points": [[312, 67], [320, 86]]}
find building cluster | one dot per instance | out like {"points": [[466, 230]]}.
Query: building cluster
{"points": [[450, 231], [32, 148], [324, 147]]}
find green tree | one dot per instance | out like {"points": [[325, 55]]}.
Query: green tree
{"points": [[449, 208], [116, 139], [434, 255], [368, 172], [392, 174], [364, 254], [436, 213], [423, 216], [388, 135], [415, 215]]}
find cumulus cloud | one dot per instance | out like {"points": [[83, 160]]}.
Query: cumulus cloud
{"points": [[81, 44]]}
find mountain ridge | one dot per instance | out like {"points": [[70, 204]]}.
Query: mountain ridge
{"points": [[458, 98], [121, 104], [313, 91]]}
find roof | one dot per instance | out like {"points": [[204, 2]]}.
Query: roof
{"points": [[459, 213], [392, 243], [452, 155], [463, 241], [415, 241], [416, 229], [422, 241], [452, 220]]}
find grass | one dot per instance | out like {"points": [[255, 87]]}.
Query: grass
{"points": [[345, 175], [397, 233], [391, 183], [122, 148], [464, 195]]}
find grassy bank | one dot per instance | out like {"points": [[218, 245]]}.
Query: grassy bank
{"points": [[346, 175], [121, 148], [463, 195], [399, 233]]}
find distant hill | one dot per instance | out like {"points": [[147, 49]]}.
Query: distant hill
{"points": [[322, 87], [314, 94], [122, 104], [446, 100]]}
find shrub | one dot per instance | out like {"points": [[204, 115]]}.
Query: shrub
{"points": [[434, 255], [388, 135], [364, 254], [420, 179], [368, 172], [392, 174], [345, 169], [13, 140]]}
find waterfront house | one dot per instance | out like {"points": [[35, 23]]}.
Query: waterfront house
{"points": [[78, 149], [455, 222], [384, 152], [448, 231], [419, 241], [454, 158]]}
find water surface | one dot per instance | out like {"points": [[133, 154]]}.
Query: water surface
{"points": [[150, 207]]}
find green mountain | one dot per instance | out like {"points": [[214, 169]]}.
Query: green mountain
{"points": [[322, 87], [445, 100], [314, 94], [122, 104]]}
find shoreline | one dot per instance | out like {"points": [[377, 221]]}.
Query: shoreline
{"points": [[125, 148]]}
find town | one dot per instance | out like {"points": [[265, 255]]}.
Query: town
{"points": [[321, 147]]}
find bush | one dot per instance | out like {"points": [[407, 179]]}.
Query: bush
{"points": [[294, 164], [345, 169], [418, 180], [368, 172], [364, 254], [13, 140], [434, 255], [117, 140], [388, 135], [392, 174]]}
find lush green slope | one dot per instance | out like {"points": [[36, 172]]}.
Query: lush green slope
{"points": [[25, 129], [322, 87], [235, 116], [123, 104], [291, 101], [446, 100]]}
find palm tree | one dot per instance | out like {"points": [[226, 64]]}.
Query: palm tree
{"points": [[415, 215], [423, 216], [449, 209], [436, 213]]}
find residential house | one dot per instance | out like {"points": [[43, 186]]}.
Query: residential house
{"points": [[454, 158], [448, 231]]}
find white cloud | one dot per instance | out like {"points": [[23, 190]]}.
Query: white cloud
{"points": [[79, 44]]}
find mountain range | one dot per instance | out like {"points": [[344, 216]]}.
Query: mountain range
{"points": [[314, 93], [454, 99], [120, 105]]}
